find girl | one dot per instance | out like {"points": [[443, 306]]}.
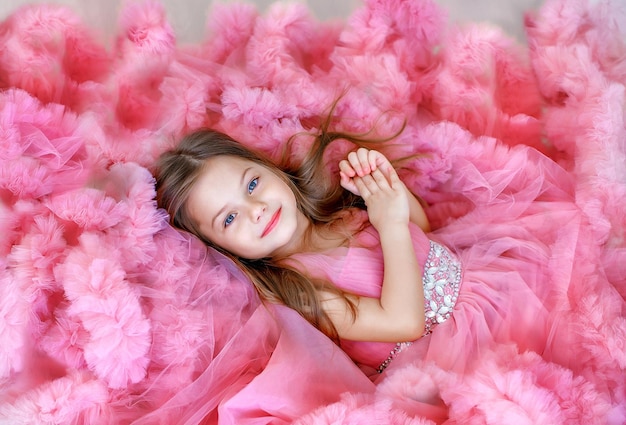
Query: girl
{"points": [[355, 260]]}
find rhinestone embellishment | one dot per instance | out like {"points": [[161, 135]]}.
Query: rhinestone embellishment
{"points": [[442, 281], [392, 355]]}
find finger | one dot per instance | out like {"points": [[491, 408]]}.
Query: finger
{"points": [[363, 155], [362, 187], [373, 158], [380, 179], [394, 179], [346, 168], [385, 167], [348, 184], [353, 159], [374, 186], [382, 161], [343, 178]]}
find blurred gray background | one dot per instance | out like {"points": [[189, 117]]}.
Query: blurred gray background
{"points": [[188, 16]]}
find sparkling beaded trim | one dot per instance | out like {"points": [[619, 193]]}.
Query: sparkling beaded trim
{"points": [[442, 281], [392, 355]]}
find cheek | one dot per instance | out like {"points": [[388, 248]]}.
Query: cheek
{"points": [[289, 195], [236, 239], [218, 238]]}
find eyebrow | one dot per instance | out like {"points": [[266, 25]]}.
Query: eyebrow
{"points": [[221, 211]]}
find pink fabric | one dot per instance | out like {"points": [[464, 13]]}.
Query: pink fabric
{"points": [[517, 249], [108, 315]]}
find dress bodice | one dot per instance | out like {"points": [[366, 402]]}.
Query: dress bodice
{"points": [[358, 269]]}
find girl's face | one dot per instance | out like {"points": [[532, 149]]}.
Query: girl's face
{"points": [[246, 209]]}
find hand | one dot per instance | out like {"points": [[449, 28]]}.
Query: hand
{"points": [[358, 164], [383, 192]]}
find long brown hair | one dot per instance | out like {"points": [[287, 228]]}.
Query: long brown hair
{"points": [[320, 198]]}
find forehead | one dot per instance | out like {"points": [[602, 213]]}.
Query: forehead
{"points": [[222, 171], [223, 163], [218, 180]]}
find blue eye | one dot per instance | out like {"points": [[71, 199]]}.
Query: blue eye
{"points": [[253, 183], [229, 219]]}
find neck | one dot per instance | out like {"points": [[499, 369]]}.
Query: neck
{"points": [[300, 240], [326, 236], [312, 237]]}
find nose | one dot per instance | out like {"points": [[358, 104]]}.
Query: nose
{"points": [[257, 209]]}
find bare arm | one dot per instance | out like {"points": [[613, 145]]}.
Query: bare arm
{"points": [[417, 215], [399, 313]]}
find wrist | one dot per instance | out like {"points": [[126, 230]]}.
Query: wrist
{"points": [[393, 230]]}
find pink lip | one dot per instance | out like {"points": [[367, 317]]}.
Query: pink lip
{"points": [[272, 223]]}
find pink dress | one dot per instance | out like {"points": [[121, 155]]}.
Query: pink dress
{"points": [[508, 287], [521, 335]]}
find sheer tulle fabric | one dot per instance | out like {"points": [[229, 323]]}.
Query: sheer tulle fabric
{"points": [[514, 308], [516, 252], [108, 315]]}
